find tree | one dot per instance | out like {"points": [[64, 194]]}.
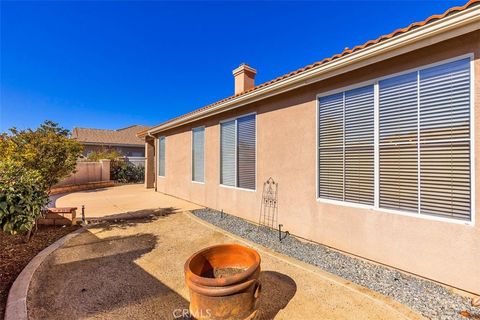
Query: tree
{"points": [[48, 150], [31, 162]]}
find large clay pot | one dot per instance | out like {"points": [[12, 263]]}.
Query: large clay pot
{"points": [[223, 282]]}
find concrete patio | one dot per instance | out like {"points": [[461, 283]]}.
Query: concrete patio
{"points": [[134, 269], [120, 200]]}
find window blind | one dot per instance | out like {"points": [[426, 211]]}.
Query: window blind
{"points": [[227, 153], [246, 152], [238, 152], [424, 135], [330, 153], [346, 146], [198, 154], [445, 140], [161, 156], [424, 142], [359, 145], [398, 150]]}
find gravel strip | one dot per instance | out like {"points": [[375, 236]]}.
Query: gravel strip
{"points": [[428, 298]]}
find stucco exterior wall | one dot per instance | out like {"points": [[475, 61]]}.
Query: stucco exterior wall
{"points": [[447, 252]]}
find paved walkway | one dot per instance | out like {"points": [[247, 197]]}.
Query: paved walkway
{"points": [[132, 199], [134, 270]]}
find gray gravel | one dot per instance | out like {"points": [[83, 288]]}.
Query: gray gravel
{"points": [[428, 298]]}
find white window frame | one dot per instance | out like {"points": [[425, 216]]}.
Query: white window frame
{"points": [[376, 207], [204, 164], [236, 152], [158, 159]]}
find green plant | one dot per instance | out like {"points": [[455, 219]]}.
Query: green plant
{"points": [[110, 154], [47, 149], [23, 196], [125, 172], [31, 162]]}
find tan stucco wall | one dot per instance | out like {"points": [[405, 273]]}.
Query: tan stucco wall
{"points": [[150, 162], [286, 150]]}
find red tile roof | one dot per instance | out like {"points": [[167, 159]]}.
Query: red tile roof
{"points": [[345, 52]]}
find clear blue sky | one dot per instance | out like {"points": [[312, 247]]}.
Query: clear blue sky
{"points": [[110, 64]]}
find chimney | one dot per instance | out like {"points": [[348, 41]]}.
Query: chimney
{"points": [[244, 78]]}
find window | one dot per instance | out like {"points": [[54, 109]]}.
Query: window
{"points": [[198, 147], [161, 156], [237, 152], [423, 149], [398, 128], [346, 146]]}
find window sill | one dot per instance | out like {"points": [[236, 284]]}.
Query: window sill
{"points": [[470, 223], [237, 188]]}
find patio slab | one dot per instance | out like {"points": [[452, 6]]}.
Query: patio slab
{"points": [[134, 270], [120, 200]]}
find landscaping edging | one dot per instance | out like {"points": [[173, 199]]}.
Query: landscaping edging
{"points": [[16, 308], [81, 187], [426, 297]]}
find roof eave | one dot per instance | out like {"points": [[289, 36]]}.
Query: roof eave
{"points": [[451, 26]]}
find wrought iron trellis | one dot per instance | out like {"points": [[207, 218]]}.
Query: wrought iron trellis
{"points": [[269, 205]]}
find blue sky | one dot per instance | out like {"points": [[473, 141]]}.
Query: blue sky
{"points": [[110, 64]]}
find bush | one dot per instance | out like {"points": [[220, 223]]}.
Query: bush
{"points": [[125, 172], [31, 162], [49, 150], [23, 196], [112, 155]]}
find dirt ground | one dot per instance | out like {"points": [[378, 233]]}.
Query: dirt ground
{"points": [[15, 254], [134, 270]]}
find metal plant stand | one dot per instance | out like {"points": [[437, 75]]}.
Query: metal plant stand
{"points": [[269, 206]]}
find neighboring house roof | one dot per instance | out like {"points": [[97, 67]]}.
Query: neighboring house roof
{"points": [[122, 137], [325, 61]]}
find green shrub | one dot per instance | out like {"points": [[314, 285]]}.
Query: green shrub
{"points": [[109, 154], [31, 162], [23, 196], [125, 172], [49, 150]]}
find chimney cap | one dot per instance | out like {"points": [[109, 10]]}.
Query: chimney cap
{"points": [[244, 67]]}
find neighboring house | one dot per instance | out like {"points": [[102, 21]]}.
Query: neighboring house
{"points": [[375, 149], [123, 140]]}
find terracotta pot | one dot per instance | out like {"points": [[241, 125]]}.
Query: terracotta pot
{"points": [[232, 296]]}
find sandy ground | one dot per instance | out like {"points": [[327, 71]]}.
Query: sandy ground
{"points": [[122, 200], [134, 270]]}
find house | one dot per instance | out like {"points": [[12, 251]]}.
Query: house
{"points": [[124, 140], [375, 149]]}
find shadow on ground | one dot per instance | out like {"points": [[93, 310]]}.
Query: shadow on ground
{"points": [[277, 290], [132, 218], [85, 273], [92, 286]]}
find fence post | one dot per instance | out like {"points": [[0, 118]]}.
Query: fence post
{"points": [[105, 163]]}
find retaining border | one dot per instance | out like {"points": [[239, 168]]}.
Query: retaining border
{"points": [[16, 308]]}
